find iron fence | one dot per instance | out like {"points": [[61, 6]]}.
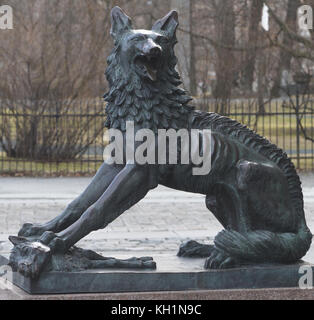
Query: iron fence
{"points": [[71, 142], [53, 141]]}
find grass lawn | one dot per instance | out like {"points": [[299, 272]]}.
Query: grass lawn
{"points": [[19, 167]]}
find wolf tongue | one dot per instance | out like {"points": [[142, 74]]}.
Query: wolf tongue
{"points": [[151, 72]]}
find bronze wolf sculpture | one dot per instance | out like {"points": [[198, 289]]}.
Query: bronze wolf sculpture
{"points": [[252, 189]]}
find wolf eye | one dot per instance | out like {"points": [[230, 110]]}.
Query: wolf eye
{"points": [[138, 38]]}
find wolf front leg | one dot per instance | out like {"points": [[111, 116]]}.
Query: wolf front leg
{"points": [[77, 207], [128, 187]]}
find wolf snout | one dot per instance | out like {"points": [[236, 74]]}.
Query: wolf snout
{"points": [[155, 51], [152, 49]]}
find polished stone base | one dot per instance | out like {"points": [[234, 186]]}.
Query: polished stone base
{"points": [[172, 274]]}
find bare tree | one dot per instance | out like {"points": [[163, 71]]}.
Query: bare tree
{"points": [[285, 56], [52, 62], [305, 48], [253, 42], [225, 32]]}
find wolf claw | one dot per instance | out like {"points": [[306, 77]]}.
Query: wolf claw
{"points": [[219, 260]]}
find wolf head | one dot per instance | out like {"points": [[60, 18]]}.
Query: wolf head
{"points": [[142, 77], [28, 257], [144, 52]]}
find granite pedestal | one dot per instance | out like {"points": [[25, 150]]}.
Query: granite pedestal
{"points": [[172, 274]]}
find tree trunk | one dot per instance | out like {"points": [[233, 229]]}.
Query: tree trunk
{"points": [[261, 85], [192, 71], [184, 47], [225, 30], [250, 55], [285, 57]]}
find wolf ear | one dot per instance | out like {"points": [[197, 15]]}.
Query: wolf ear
{"points": [[120, 22], [17, 240], [168, 24]]}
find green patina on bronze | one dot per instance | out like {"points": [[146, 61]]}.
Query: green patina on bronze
{"points": [[252, 189]]}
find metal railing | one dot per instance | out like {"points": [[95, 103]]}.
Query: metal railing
{"points": [[54, 143]]}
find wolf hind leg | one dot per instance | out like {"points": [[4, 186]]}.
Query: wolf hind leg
{"points": [[264, 246], [233, 248], [229, 206], [194, 249], [253, 244], [221, 205]]}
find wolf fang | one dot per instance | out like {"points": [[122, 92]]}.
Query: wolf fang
{"points": [[128, 311]]}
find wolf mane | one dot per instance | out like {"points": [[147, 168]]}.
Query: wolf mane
{"points": [[151, 105]]}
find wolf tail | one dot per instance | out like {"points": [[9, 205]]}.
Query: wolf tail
{"points": [[260, 245]]}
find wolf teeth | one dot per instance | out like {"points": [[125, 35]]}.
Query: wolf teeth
{"points": [[152, 73]]}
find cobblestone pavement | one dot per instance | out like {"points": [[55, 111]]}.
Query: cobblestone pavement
{"points": [[158, 224]]}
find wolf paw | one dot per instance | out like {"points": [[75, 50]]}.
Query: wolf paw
{"points": [[194, 249], [56, 244], [219, 260], [30, 230]]}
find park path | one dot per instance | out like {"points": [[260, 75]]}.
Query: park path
{"points": [[157, 224]]}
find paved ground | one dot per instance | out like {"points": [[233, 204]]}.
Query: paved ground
{"points": [[156, 226], [159, 223]]}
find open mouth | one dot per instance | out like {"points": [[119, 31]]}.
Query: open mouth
{"points": [[148, 66]]}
